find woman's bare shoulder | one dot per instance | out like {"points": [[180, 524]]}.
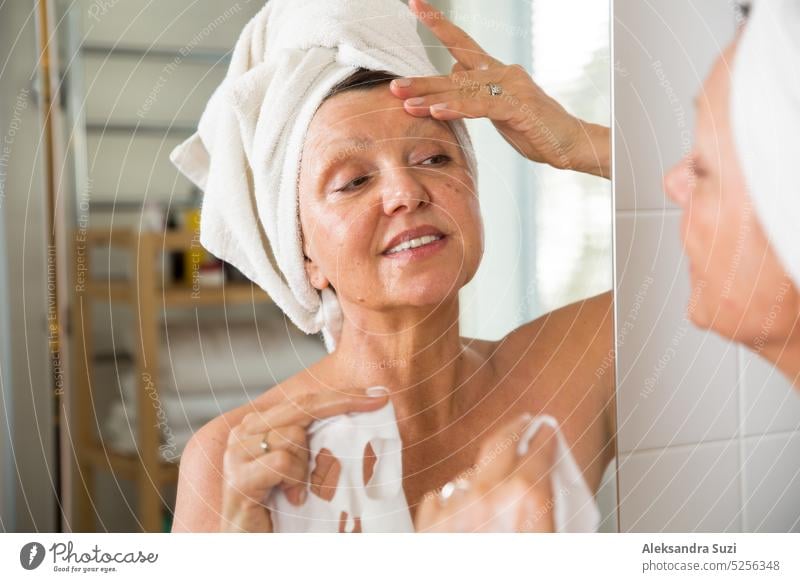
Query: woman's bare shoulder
{"points": [[575, 342], [586, 322], [566, 358]]}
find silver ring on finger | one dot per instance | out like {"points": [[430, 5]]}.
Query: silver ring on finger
{"points": [[448, 489], [264, 444], [494, 89]]}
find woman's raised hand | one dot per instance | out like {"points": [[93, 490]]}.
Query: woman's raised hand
{"points": [[533, 123], [502, 493], [250, 473]]}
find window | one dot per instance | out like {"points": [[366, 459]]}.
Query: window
{"points": [[573, 214]]}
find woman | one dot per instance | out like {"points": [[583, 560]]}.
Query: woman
{"points": [[743, 255], [390, 220]]}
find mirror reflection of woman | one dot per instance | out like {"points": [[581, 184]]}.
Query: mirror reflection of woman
{"points": [[394, 227], [739, 194]]}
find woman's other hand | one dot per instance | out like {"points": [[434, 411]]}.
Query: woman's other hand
{"points": [[503, 492], [535, 125], [250, 473]]}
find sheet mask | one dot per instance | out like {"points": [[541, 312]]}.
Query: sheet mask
{"points": [[381, 506], [377, 506], [574, 507]]}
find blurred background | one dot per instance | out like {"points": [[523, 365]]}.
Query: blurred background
{"points": [[119, 335]]}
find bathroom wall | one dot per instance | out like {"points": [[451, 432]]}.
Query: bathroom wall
{"points": [[27, 443], [6, 482], [709, 436]]}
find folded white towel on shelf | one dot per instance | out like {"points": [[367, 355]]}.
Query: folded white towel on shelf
{"points": [[765, 117], [119, 433], [246, 153], [185, 410]]}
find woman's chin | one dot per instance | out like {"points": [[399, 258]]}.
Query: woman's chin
{"points": [[425, 293]]}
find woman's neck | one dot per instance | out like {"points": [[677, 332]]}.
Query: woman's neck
{"points": [[419, 356]]}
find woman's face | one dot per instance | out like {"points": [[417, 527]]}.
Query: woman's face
{"points": [[373, 181], [739, 287]]}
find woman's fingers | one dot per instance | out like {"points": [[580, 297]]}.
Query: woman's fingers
{"points": [[535, 513], [466, 82], [248, 445], [304, 408], [293, 439], [426, 513], [498, 454], [507, 493], [278, 467], [461, 45], [519, 506], [254, 479], [245, 447], [457, 68], [537, 462], [464, 94], [536, 504], [514, 505], [448, 106], [407, 87], [325, 477]]}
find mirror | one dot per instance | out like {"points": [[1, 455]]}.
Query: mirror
{"points": [[168, 341]]}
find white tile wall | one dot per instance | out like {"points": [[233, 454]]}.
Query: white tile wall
{"points": [[156, 90], [709, 435], [200, 24], [769, 403], [686, 488], [677, 383], [771, 477], [662, 53]]}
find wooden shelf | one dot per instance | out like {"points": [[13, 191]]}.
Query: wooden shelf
{"points": [[176, 295], [128, 465], [145, 294], [230, 294], [240, 293]]}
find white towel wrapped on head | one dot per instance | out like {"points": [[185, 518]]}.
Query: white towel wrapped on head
{"points": [[246, 153], [765, 117]]}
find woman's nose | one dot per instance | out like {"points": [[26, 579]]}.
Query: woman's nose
{"points": [[678, 183], [404, 192]]}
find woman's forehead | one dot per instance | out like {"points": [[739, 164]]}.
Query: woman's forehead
{"points": [[367, 117]]}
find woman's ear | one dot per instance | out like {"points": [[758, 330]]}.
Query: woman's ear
{"points": [[314, 273]]}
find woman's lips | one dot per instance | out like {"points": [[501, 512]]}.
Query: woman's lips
{"points": [[412, 233], [419, 252]]}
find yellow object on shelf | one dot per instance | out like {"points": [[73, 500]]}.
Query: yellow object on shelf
{"points": [[201, 268]]}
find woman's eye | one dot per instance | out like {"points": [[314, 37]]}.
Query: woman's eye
{"points": [[353, 184], [437, 159], [696, 167]]}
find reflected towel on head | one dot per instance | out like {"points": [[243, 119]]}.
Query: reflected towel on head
{"points": [[246, 153], [765, 117]]}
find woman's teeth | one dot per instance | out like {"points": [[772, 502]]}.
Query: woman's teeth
{"points": [[414, 243]]}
